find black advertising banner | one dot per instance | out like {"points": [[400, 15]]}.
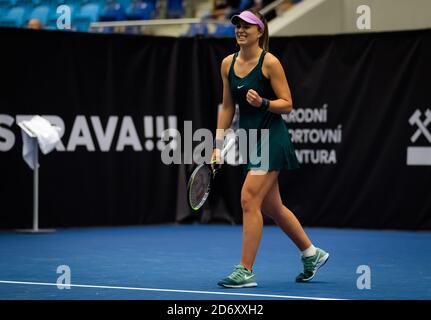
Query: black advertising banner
{"points": [[360, 126], [361, 105]]}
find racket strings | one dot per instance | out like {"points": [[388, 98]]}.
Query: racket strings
{"points": [[199, 187]]}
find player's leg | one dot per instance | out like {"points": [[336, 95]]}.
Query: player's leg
{"points": [[312, 258], [273, 207], [253, 192]]}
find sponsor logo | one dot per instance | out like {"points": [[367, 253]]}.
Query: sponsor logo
{"points": [[420, 155]]}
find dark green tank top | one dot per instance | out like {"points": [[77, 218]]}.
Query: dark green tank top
{"points": [[251, 117], [281, 151]]}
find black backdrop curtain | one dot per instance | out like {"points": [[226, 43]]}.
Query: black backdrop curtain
{"points": [[360, 128]]}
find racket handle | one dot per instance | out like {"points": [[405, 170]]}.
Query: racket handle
{"points": [[227, 147], [223, 154]]}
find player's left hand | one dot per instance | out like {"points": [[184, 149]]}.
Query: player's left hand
{"points": [[253, 98]]}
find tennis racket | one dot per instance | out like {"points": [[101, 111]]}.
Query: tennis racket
{"points": [[199, 185]]}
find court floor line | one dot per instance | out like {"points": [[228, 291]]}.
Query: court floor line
{"points": [[169, 290]]}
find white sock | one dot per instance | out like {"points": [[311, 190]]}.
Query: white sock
{"points": [[310, 251]]}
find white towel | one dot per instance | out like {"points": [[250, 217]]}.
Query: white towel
{"points": [[47, 137]]}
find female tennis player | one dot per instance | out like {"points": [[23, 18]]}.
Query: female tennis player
{"points": [[255, 79]]}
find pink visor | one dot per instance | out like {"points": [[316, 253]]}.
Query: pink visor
{"points": [[249, 17]]}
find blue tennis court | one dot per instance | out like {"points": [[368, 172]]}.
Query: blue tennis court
{"points": [[186, 261]]}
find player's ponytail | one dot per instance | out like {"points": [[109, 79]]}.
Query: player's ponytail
{"points": [[264, 39]]}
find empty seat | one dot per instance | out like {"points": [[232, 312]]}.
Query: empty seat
{"points": [[141, 10], [224, 30], [197, 29], [175, 8], [24, 3], [50, 3], [15, 17], [5, 6], [41, 13], [89, 13], [113, 11]]}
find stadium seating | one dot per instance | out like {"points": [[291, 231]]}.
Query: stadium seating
{"points": [[15, 17], [197, 29], [113, 11], [87, 14], [175, 8], [224, 30], [41, 13], [141, 10], [5, 6], [17, 13]]}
